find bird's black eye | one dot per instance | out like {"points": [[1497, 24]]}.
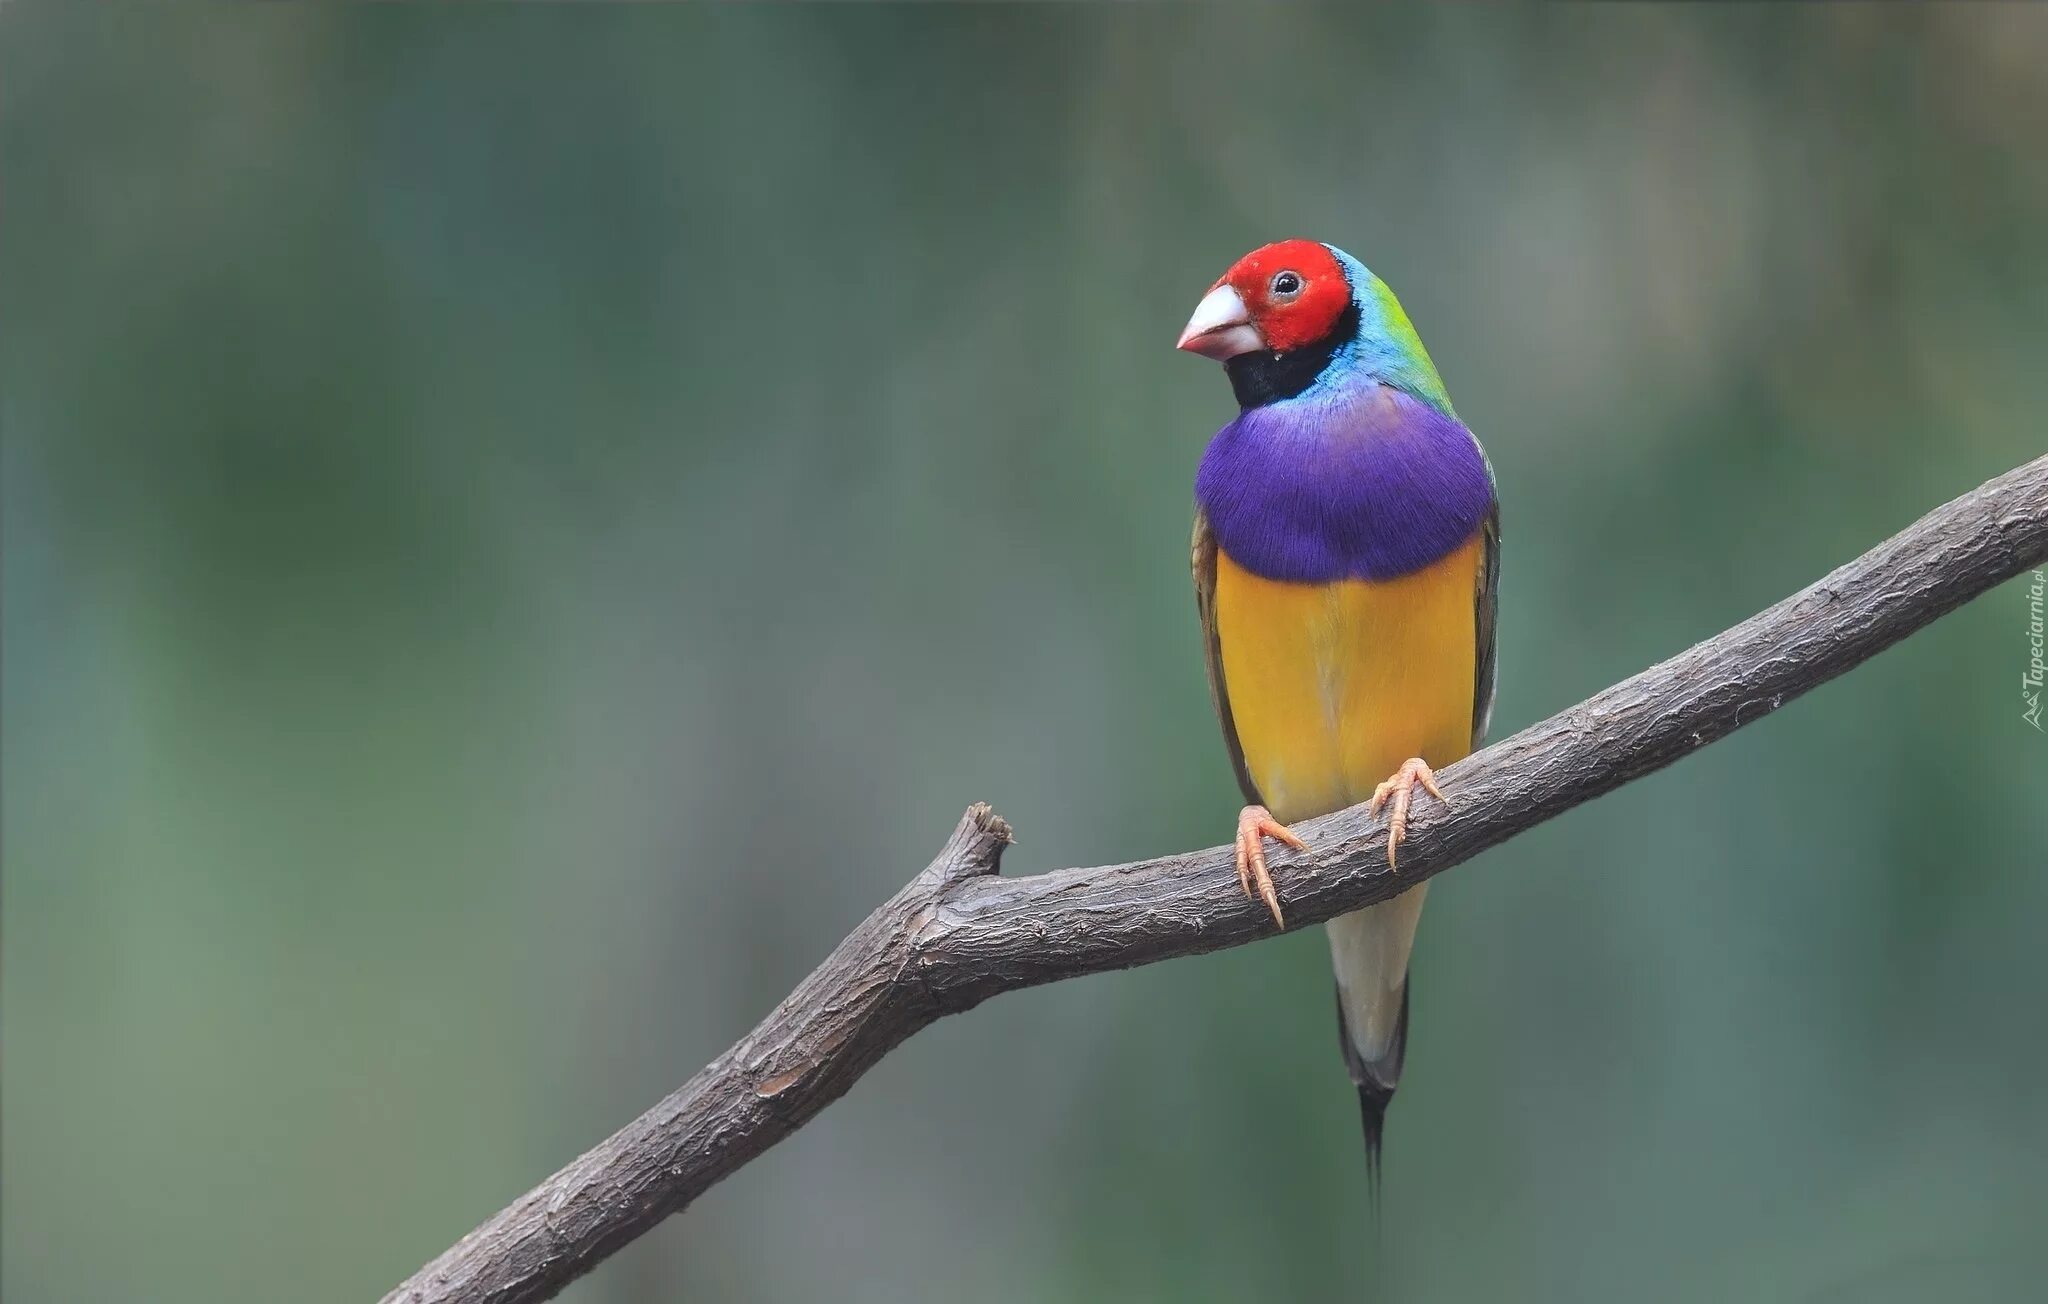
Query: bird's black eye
{"points": [[1286, 283]]}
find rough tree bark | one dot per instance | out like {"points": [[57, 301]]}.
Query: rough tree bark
{"points": [[958, 933]]}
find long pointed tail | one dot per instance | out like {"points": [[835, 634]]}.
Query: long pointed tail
{"points": [[1369, 951], [1375, 1080]]}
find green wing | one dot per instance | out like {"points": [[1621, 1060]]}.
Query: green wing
{"points": [[1204, 560], [1487, 602]]}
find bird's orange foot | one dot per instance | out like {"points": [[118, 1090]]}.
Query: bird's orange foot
{"points": [[1400, 790], [1254, 825]]}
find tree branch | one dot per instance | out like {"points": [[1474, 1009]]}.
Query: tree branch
{"points": [[958, 933]]}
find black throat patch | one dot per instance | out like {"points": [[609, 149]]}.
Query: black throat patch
{"points": [[1262, 377]]}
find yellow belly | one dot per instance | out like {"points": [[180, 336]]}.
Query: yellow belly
{"points": [[1332, 686]]}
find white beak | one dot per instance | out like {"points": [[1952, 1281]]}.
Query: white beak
{"points": [[1221, 328]]}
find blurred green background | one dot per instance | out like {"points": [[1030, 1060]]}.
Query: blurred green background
{"points": [[521, 526]]}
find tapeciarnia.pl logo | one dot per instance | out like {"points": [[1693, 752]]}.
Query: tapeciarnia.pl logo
{"points": [[2030, 682]]}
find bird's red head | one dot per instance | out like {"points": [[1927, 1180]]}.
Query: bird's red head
{"points": [[1277, 297]]}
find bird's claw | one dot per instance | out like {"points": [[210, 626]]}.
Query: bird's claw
{"points": [[1254, 825], [1400, 789]]}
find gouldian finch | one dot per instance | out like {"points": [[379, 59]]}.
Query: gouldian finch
{"points": [[1346, 557]]}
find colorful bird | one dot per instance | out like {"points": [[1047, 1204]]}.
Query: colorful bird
{"points": [[1346, 556]]}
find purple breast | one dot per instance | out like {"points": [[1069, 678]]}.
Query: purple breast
{"points": [[1361, 483]]}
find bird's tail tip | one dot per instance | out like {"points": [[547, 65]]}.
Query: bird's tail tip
{"points": [[1373, 1100], [1375, 1082]]}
